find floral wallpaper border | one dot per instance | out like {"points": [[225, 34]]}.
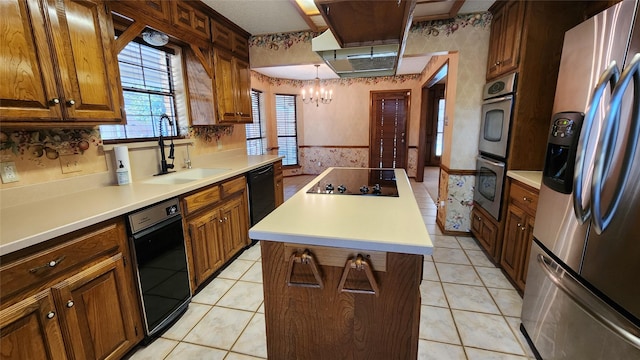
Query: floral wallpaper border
{"points": [[431, 28], [342, 82], [48, 143], [210, 134]]}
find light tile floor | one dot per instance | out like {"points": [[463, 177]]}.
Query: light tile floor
{"points": [[469, 309]]}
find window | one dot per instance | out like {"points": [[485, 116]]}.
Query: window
{"points": [[256, 141], [147, 76], [440, 131], [287, 133]]}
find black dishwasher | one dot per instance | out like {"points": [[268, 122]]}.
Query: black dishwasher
{"points": [[262, 198], [161, 265]]}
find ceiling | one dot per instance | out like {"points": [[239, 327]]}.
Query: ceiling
{"points": [[260, 17]]}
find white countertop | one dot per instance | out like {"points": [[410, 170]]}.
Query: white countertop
{"points": [[31, 223], [531, 178], [392, 224]]}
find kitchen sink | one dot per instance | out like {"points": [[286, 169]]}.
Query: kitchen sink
{"points": [[186, 176]]}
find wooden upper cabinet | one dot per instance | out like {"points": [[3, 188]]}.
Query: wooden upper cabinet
{"points": [[186, 17], [233, 88], [75, 78], [506, 34], [28, 83], [226, 38]]}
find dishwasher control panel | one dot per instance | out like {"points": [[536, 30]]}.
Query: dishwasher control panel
{"points": [[153, 215]]}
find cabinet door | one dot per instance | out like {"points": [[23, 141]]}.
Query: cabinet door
{"points": [[99, 311], [206, 244], [28, 88], [513, 241], [83, 38], [495, 44], [235, 222], [30, 329], [184, 16], [242, 86], [223, 68], [511, 35], [521, 278]]}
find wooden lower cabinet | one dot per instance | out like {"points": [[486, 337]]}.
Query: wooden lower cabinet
{"points": [[518, 234], [278, 182], [206, 245], [486, 230], [217, 227], [96, 313], [31, 330], [304, 322], [235, 228], [87, 310]]}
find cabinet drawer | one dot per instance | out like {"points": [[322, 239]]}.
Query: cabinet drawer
{"points": [[200, 199], [35, 270], [525, 198], [233, 186]]}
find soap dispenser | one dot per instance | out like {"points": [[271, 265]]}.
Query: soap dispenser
{"points": [[122, 174]]}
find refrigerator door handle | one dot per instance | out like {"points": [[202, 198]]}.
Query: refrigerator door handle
{"points": [[609, 76], [606, 146], [588, 302]]}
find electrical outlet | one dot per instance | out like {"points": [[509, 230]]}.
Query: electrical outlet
{"points": [[71, 163], [9, 172]]}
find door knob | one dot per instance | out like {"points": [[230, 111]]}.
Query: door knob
{"points": [[70, 303], [71, 102]]}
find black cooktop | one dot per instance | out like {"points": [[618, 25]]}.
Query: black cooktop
{"points": [[349, 181]]}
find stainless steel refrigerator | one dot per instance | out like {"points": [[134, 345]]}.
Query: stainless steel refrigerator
{"points": [[582, 298]]}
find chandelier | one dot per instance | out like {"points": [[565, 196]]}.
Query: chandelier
{"points": [[316, 93]]}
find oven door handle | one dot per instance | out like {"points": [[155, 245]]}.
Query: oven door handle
{"points": [[494, 163], [497, 100]]}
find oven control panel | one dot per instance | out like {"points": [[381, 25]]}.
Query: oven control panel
{"points": [[154, 214]]}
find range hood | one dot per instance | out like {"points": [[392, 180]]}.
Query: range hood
{"points": [[362, 61]]}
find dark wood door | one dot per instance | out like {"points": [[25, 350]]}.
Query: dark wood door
{"points": [[388, 137], [435, 94], [206, 244]]}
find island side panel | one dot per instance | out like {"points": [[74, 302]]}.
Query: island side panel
{"points": [[311, 323]]}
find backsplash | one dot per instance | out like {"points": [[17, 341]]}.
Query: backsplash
{"points": [[40, 155]]}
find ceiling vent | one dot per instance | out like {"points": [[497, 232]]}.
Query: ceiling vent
{"points": [[364, 61]]}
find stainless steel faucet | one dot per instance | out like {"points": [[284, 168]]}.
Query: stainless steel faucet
{"points": [[164, 167]]}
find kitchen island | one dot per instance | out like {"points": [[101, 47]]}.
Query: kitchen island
{"points": [[342, 272]]}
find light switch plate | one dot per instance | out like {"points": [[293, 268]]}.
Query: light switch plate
{"points": [[71, 163], [8, 172]]}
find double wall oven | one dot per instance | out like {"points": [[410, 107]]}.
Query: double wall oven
{"points": [[499, 97]]}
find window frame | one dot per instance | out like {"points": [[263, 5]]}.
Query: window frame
{"points": [[175, 66], [257, 120], [295, 127]]}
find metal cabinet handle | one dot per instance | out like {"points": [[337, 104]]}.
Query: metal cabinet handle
{"points": [[54, 101], [304, 259], [359, 264], [527, 199], [70, 304], [51, 315], [71, 102], [220, 220], [48, 265]]}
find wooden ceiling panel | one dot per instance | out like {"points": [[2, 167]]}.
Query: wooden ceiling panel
{"points": [[367, 22]]}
